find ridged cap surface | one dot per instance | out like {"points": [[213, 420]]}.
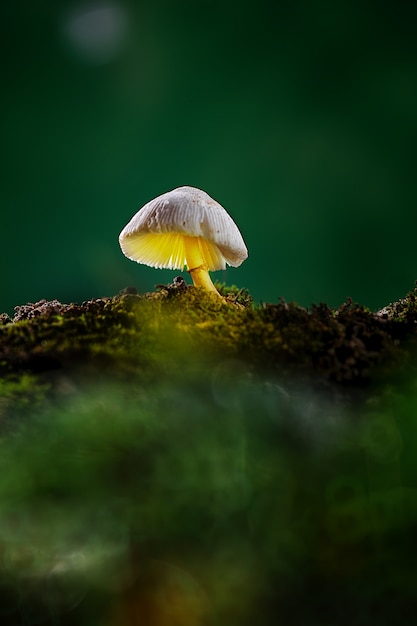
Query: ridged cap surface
{"points": [[155, 235]]}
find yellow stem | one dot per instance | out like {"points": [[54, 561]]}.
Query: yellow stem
{"points": [[196, 265]]}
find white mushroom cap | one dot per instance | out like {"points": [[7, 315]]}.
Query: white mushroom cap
{"points": [[155, 235]]}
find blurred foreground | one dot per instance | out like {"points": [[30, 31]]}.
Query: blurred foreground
{"points": [[215, 499]]}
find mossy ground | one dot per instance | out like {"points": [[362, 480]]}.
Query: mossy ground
{"points": [[156, 333], [176, 459], [143, 333]]}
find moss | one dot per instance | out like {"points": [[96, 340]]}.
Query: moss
{"points": [[21, 396], [235, 294], [403, 311], [152, 334]]}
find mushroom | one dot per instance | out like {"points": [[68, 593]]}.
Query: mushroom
{"points": [[184, 227]]}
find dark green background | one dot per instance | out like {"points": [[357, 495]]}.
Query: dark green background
{"points": [[299, 117]]}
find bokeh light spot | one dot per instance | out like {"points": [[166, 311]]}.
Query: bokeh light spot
{"points": [[96, 33]]}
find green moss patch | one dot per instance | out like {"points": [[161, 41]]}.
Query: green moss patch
{"points": [[152, 333]]}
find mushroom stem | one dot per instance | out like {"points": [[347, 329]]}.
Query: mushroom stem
{"points": [[196, 266]]}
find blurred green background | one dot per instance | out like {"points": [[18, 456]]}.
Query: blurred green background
{"points": [[299, 117]]}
